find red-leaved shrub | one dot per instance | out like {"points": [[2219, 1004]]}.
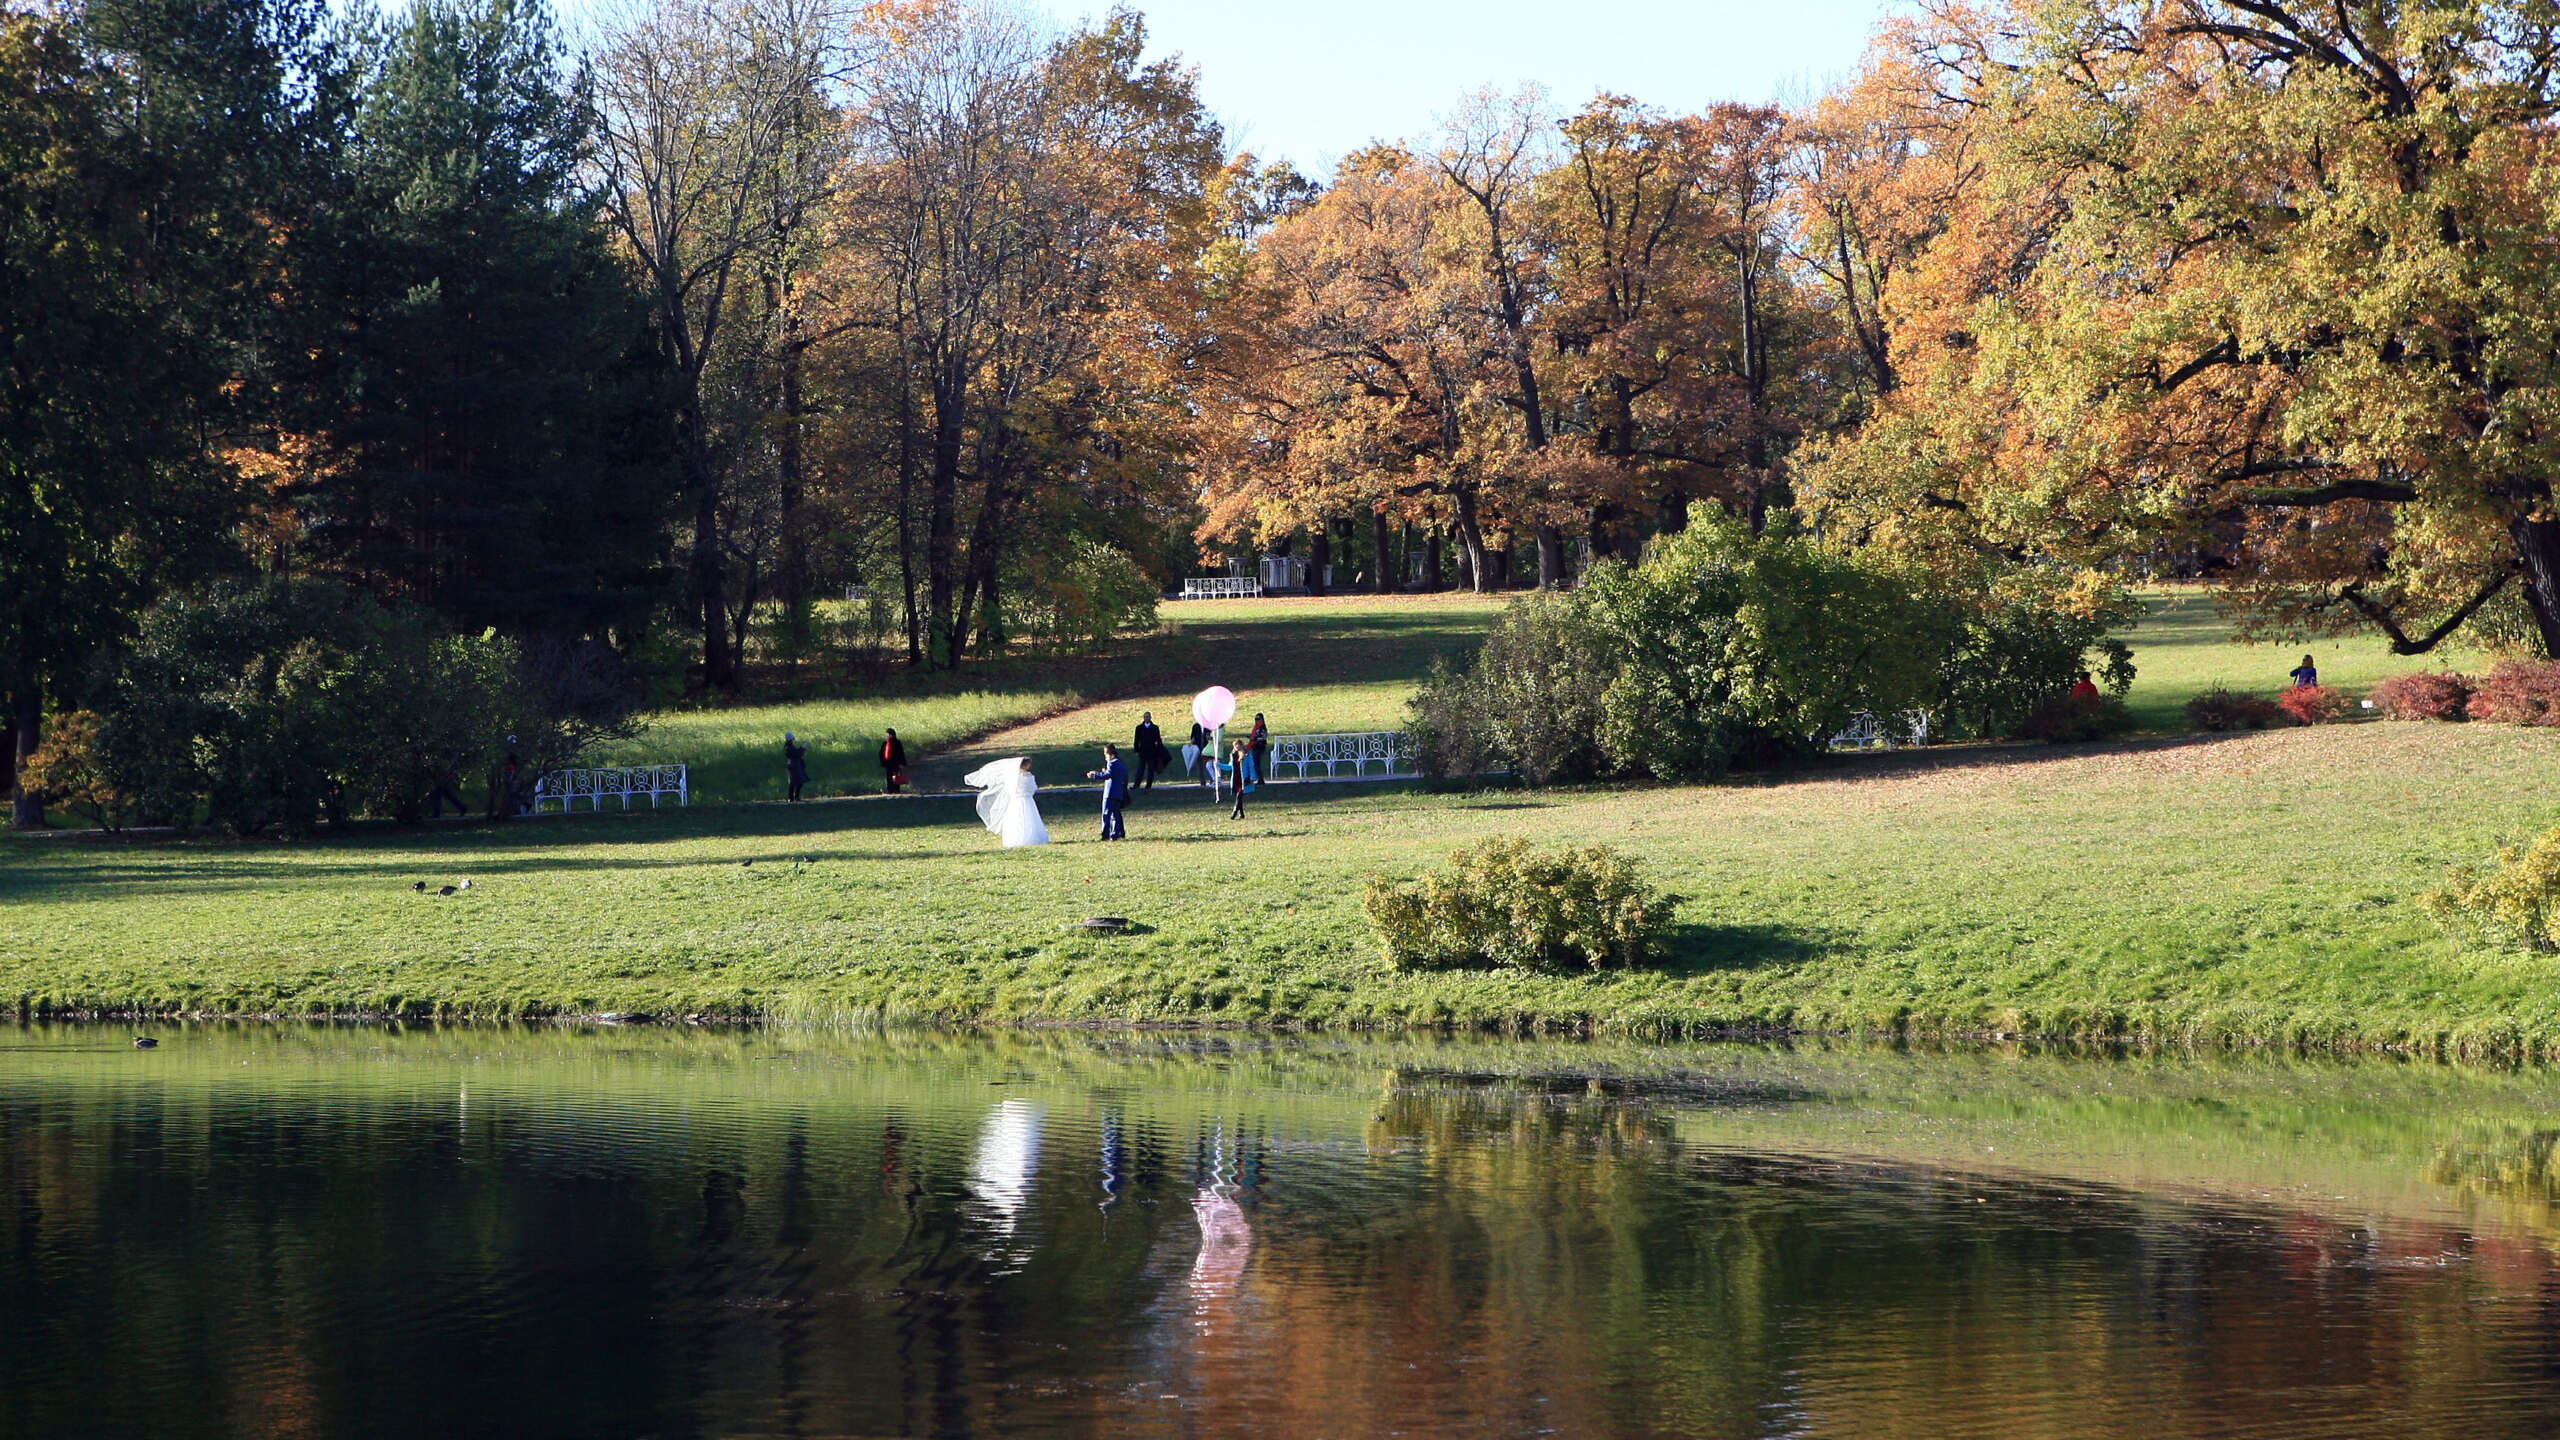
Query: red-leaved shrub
{"points": [[2423, 696], [2225, 709], [2313, 704], [2519, 692]]}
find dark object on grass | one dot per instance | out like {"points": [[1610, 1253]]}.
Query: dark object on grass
{"points": [[446, 889], [746, 864], [2221, 708], [145, 1042], [1102, 922], [419, 886]]}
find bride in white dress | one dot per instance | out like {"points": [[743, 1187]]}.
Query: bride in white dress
{"points": [[1005, 802]]}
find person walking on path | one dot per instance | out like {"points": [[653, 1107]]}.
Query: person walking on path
{"points": [[795, 762], [1242, 759], [893, 763], [2306, 676], [1152, 756], [1115, 791]]}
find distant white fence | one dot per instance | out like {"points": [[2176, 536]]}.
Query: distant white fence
{"points": [[597, 786], [1366, 755], [1221, 587], [1869, 731]]}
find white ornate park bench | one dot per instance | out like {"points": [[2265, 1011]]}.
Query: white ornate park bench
{"points": [[1359, 755], [624, 783], [1221, 587], [1868, 731]]}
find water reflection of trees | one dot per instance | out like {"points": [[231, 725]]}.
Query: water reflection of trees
{"points": [[1470, 1254]]}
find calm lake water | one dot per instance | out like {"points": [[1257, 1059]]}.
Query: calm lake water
{"points": [[340, 1231]]}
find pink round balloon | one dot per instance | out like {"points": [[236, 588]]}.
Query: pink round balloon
{"points": [[1214, 706]]}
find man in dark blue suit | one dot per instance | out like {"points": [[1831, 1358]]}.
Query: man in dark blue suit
{"points": [[1115, 791]]}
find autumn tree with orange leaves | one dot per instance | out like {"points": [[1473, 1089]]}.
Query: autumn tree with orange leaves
{"points": [[2264, 283]]}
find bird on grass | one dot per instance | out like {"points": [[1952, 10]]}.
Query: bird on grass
{"points": [[420, 887], [145, 1042], [446, 889], [746, 864], [465, 885]]}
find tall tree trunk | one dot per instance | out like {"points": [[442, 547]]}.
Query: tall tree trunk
{"points": [[982, 583], [795, 538], [1386, 570], [1471, 542], [1431, 561], [1551, 574], [942, 537], [906, 510], [1755, 384], [1319, 554], [2537, 545], [26, 727], [719, 667]]}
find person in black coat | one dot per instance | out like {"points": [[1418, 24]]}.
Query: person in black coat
{"points": [[795, 762], [1152, 756], [1202, 739], [893, 763]]}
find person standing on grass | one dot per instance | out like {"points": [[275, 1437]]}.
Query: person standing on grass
{"points": [[795, 762], [1205, 744], [1261, 747], [2086, 688], [2306, 676], [1152, 756], [1115, 791], [1241, 758], [893, 763]]}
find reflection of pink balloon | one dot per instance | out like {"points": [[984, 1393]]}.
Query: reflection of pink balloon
{"points": [[1214, 706]]}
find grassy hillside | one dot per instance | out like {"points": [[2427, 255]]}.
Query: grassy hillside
{"points": [[1337, 663], [2253, 887], [2250, 887]]}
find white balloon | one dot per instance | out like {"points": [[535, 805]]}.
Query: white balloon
{"points": [[1214, 706]]}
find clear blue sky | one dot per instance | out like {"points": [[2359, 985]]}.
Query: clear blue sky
{"points": [[1315, 79]]}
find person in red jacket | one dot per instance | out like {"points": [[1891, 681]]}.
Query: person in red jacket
{"points": [[893, 763], [2086, 689]]}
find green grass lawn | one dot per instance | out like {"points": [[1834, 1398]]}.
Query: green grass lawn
{"points": [[2252, 887], [2184, 647], [2246, 887], [1342, 663]]}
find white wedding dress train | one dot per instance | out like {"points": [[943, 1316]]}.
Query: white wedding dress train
{"points": [[1006, 803]]}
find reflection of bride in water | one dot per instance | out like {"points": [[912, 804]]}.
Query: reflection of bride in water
{"points": [[1005, 802]]}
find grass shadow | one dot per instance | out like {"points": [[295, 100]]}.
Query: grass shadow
{"points": [[1700, 949]]}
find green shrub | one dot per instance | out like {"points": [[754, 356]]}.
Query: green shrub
{"points": [[1734, 648], [1077, 601], [2063, 719], [1530, 701], [284, 704], [2016, 642], [2517, 895], [1503, 904]]}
